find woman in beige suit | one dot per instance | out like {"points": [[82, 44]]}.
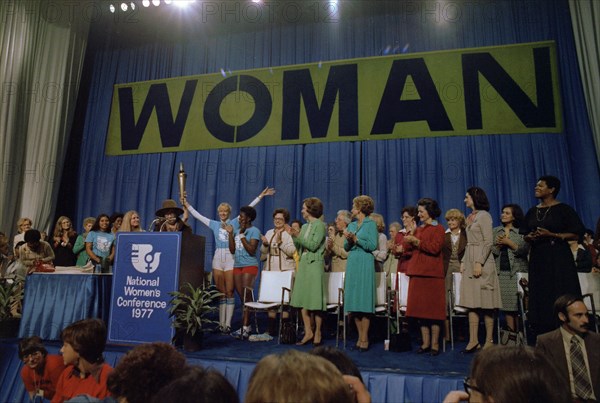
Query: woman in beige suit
{"points": [[479, 288]]}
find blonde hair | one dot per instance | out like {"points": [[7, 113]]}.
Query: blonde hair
{"points": [[21, 222], [226, 206], [310, 379], [126, 224], [58, 231], [364, 203], [456, 214], [378, 218]]}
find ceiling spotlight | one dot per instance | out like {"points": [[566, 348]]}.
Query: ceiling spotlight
{"points": [[111, 8], [156, 2], [132, 5], [124, 6], [182, 3], [168, 2], [146, 3]]}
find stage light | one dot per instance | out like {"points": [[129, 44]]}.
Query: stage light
{"points": [[167, 2], [124, 6], [132, 5], [146, 3], [156, 2], [182, 3], [111, 8]]}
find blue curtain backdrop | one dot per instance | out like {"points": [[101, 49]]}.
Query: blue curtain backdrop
{"points": [[395, 172]]}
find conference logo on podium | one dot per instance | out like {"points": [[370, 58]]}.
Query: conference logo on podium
{"points": [[143, 260]]}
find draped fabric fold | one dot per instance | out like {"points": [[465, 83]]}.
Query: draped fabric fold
{"points": [[585, 17], [40, 64]]}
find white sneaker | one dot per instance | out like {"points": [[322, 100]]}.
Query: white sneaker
{"points": [[241, 334], [261, 337]]}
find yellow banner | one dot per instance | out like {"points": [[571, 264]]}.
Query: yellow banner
{"points": [[488, 90]]}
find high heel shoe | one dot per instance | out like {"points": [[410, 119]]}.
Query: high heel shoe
{"points": [[303, 342], [364, 347], [422, 350], [317, 343], [435, 352], [472, 349]]}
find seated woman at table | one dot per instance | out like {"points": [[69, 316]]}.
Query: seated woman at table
{"points": [[86, 372], [131, 222], [23, 225], [79, 247], [40, 371], [63, 240], [99, 243], [35, 250]]}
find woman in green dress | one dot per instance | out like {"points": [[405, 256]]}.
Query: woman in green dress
{"points": [[308, 291]]}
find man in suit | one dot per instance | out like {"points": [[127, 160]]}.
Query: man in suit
{"points": [[559, 347]]}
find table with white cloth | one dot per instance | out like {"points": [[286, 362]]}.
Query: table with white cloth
{"points": [[53, 301]]}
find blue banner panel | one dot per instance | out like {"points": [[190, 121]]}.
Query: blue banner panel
{"points": [[146, 270]]}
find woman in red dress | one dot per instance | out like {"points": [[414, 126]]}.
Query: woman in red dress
{"points": [[426, 290]]}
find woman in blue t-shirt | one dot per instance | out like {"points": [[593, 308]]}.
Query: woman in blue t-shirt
{"points": [[243, 244], [222, 263], [99, 244]]}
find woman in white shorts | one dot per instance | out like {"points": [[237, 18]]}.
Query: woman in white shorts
{"points": [[222, 263]]}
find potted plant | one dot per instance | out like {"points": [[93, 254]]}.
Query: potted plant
{"points": [[11, 297], [190, 308]]}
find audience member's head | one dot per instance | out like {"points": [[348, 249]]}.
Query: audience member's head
{"points": [[431, 206], [480, 199], [32, 236], [296, 224], [4, 249], [378, 218], [515, 374], [338, 358], [572, 313], [456, 215], [364, 204], [198, 385], [116, 219], [143, 371], [303, 378], [24, 224], [552, 182], [32, 352], [87, 338]]}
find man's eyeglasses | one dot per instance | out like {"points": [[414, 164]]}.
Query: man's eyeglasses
{"points": [[469, 388]]}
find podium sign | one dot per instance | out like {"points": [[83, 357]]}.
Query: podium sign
{"points": [[146, 270]]}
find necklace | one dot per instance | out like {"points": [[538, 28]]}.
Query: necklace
{"points": [[537, 214]]}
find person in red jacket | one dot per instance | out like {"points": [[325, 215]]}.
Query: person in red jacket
{"points": [[426, 290], [40, 371], [86, 372]]}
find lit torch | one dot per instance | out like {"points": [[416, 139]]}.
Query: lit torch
{"points": [[182, 177]]}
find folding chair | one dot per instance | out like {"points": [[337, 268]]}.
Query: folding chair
{"points": [[453, 302], [274, 292], [522, 295], [398, 298], [590, 291], [335, 300]]}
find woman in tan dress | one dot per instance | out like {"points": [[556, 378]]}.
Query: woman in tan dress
{"points": [[479, 287]]}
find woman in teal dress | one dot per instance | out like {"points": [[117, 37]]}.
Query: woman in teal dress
{"points": [[361, 239], [308, 291]]}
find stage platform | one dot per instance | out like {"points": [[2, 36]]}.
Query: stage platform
{"points": [[389, 376]]}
